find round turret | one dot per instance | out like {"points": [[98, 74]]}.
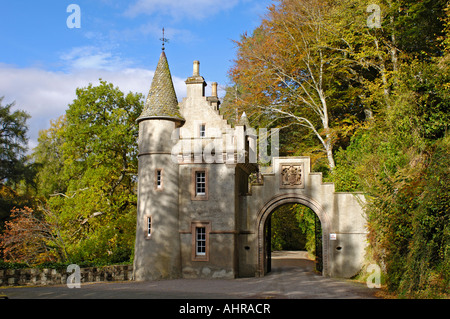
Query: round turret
{"points": [[157, 248]]}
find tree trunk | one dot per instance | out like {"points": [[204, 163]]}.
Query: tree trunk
{"points": [[329, 150]]}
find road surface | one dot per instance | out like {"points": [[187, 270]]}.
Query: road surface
{"points": [[292, 277]]}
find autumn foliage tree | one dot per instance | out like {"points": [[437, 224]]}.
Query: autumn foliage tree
{"points": [[400, 159], [376, 100], [292, 71], [31, 237]]}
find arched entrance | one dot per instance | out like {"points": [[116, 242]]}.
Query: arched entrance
{"points": [[341, 215], [264, 216], [293, 238]]}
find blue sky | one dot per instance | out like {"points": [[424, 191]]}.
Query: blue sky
{"points": [[43, 61]]}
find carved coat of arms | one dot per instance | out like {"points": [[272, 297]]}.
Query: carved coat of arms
{"points": [[291, 176]]}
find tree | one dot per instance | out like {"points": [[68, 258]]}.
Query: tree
{"points": [[48, 155], [398, 75], [292, 72], [32, 238], [13, 142], [286, 233], [94, 152], [400, 159], [293, 227], [419, 27], [16, 173]]}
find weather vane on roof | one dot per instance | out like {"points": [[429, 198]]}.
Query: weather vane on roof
{"points": [[163, 39]]}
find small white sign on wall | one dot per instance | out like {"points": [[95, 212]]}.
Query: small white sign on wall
{"points": [[333, 236]]}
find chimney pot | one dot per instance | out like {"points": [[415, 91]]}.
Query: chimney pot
{"points": [[214, 89], [196, 68]]}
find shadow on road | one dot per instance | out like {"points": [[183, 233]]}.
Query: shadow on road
{"points": [[288, 259]]}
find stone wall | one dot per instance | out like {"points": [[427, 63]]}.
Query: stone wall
{"points": [[43, 277]]}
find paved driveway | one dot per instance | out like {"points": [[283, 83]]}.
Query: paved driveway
{"points": [[291, 278]]}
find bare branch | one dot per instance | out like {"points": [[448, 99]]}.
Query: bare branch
{"points": [[66, 196]]}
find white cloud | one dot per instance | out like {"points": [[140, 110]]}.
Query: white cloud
{"points": [[153, 30], [45, 95], [89, 57], [192, 9], [173, 34]]}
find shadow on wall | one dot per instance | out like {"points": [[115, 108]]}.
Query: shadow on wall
{"points": [[344, 253], [157, 255]]}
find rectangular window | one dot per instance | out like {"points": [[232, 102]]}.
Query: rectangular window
{"points": [[158, 178], [202, 130], [200, 183], [200, 241], [149, 226]]}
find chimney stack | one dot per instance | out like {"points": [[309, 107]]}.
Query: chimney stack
{"points": [[195, 83]]}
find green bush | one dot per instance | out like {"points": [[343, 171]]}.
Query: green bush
{"points": [[8, 265], [57, 265]]}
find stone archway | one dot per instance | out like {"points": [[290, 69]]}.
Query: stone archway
{"points": [[289, 180], [290, 198]]}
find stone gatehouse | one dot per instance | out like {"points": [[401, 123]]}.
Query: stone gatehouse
{"points": [[197, 214]]}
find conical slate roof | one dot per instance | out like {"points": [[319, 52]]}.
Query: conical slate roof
{"points": [[243, 121], [162, 100]]}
